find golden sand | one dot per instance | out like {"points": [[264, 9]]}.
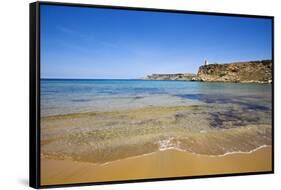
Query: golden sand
{"points": [[161, 164]]}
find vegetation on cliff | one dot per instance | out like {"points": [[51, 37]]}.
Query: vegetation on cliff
{"points": [[177, 76], [244, 72], [253, 71]]}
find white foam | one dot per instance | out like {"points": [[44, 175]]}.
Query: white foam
{"points": [[242, 152], [167, 145], [217, 155]]}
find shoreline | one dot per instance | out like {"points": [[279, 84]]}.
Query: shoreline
{"points": [[168, 149], [211, 81], [160, 164]]}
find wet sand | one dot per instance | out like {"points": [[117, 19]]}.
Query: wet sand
{"points": [[160, 164]]}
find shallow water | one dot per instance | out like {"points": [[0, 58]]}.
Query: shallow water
{"points": [[74, 96], [104, 120]]}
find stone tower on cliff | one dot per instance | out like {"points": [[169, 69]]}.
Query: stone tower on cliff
{"points": [[206, 62]]}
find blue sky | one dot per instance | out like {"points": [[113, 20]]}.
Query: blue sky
{"points": [[79, 42]]}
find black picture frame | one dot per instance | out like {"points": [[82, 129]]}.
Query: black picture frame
{"points": [[34, 92]]}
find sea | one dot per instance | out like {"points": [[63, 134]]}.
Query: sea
{"points": [[101, 120], [65, 96]]}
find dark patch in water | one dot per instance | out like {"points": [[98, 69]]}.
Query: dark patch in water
{"points": [[80, 100], [191, 96], [109, 92], [206, 98], [179, 116], [232, 118], [216, 122], [224, 99], [146, 89], [138, 97], [249, 106]]}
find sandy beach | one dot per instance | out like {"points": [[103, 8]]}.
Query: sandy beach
{"points": [[152, 142], [161, 164]]}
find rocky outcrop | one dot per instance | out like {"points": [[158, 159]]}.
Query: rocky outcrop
{"points": [[177, 76], [253, 71], [244, 72]]}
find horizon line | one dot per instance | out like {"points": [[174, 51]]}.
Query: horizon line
{"points": [[90, 78]]}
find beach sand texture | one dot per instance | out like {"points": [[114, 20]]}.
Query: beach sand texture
{"points": [[151, 142], [162, 164]]}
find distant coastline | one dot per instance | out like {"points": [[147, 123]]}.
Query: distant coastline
{"points": [[242, 72]]}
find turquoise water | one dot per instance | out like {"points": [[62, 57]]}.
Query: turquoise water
{"points": [[64, 96]]}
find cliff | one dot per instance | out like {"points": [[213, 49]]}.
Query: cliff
{"points": [[177, 76], [253, 71]]}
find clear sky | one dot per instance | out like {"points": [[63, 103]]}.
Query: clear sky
{"points": [[79, 42]]}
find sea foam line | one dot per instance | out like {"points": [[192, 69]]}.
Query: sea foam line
{"points": [[168, 145], [220, 155], [181, 150]]}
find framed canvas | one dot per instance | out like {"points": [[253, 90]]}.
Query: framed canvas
{"points": [[122, 94]]}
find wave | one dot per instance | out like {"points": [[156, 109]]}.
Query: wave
{"points": [[181, 150], [168, 144]]}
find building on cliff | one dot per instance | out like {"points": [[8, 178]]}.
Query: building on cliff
{"points": [[206, 62]]}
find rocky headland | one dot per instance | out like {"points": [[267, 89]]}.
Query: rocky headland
{"points": [[245, 72], [177, 76]]}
